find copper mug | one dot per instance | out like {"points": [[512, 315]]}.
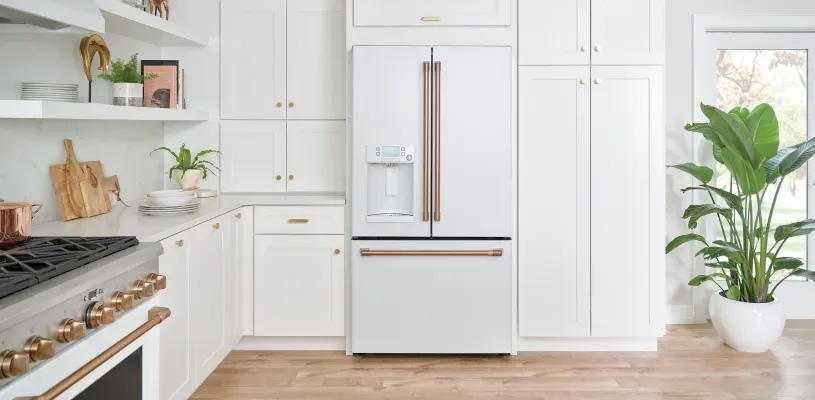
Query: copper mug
{"points": [[15, 221]]}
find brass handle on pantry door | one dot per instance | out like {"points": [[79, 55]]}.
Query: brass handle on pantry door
{"points": [[426, 143], [437, 141], [483, 253]]}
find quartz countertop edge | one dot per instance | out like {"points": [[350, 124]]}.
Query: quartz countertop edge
{"points": [[128, 221]]}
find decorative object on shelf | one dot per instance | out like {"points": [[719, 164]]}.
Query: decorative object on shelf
{"points": [[128, 82], [189, 170], [134, 3], [15, 221], [81, 188], [745, 312], [156, 8], [65, 92], [88, 47], [163, 91]]}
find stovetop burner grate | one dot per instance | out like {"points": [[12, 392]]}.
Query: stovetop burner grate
{"points": [[43, 258]]}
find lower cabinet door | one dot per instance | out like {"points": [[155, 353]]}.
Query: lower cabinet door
{"points": [[175, 357], [299, 283], [315, 156]]}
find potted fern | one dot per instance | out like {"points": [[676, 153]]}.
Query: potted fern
{"points": [[188, 170], [128, 82], [747, 258]]}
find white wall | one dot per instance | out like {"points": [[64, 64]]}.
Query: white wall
{"points": [[679, 106]]}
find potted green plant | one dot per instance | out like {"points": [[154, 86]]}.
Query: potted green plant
{"points": [[188, 170], [128, 82], [747, 256]]}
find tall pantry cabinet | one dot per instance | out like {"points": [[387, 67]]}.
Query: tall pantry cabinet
{"points": [[591, 175], [283, 95]]}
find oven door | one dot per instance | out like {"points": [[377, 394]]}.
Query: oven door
{"points": [[113, 362]]}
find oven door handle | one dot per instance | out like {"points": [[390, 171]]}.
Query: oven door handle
{"points": [[155, 316], [483, 253]]}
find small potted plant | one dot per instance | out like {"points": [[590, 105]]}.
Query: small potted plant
{"points": [[128, 82], [746, 258], [189, 170]]}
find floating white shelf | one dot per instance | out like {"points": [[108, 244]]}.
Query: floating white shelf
{"points": [[30, 109], [57, 13], [131, 22]]}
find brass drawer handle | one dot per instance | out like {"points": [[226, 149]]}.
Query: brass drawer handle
{"points": [[336, 251], [298, 220], [278, 177], [431, 19], [291, 177], [179, 243], [484, 253], [217, 225], [238, 215], [291, 104], [278, 104]]}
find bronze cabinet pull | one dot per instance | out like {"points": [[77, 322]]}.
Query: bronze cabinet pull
{"points": [[298, 220], [426, 143], [483, 253]]}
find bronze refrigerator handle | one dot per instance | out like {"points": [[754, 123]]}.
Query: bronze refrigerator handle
{"points": [[437, 141], [483, 253], [426, 143], [155, 316]]}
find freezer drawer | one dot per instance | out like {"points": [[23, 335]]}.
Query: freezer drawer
{"points": [[431, 297]]}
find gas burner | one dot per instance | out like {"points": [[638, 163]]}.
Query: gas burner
{"points": [[39, 259]]}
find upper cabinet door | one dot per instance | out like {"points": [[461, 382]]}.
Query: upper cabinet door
{"points": [[253, 156], [431, 12], [627, 214], [554, 32], [253, 59], [474, 146], [315, 156], [316, 59], [628, 32]]}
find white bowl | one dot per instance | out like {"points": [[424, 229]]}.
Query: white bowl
{"points": [[170, 201], [170, 193]]}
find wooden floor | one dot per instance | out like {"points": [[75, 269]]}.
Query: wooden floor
{"points": [[691, 363]]}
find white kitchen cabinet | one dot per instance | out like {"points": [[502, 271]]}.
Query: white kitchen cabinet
{"points": [[315, 156], [553, 231], [175, 358], [600, 32], [627, 201], [253, 59], [316, 59], [431, 12], [245, 231], [234, 256], [554, 32], [253, 156], [299, 285]]}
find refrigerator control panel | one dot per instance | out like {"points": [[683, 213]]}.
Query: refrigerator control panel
{"points": [[390, 154]]}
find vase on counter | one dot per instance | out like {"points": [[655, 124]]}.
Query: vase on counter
{"points": [[188, 179], [128, 94]]}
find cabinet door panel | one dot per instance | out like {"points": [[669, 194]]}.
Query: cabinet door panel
{"points": [[554, 32], [315, 156], [253, 156], [553, 236], [316, 59], [628, 32], [253, 59], [176, 362], [627, 269], [431, 12], [299, 286]]}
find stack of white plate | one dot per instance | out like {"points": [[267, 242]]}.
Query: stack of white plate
{"points": [[166, 202], [67, 92]]}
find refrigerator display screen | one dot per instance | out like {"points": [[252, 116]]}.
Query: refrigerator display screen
{"points": [[390, 151]]}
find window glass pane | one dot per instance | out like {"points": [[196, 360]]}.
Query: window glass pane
{"points": [[748, 78]]}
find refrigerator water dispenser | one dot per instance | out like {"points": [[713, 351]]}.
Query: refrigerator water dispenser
{"points": [[390, 183]]}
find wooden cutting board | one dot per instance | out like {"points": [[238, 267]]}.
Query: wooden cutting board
{"points": [[81, 187]]}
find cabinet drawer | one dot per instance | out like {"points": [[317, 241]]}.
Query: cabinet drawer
{"points": [[432, 13], [299, 220]]}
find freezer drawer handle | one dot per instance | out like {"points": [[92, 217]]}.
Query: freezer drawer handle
{"points": [[482, 253]]}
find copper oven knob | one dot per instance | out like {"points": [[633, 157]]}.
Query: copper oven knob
{"points": [[39, 348], [99, 314], [70, 330], [122, 301], [142, 289], [13, 363], [159, 281]]}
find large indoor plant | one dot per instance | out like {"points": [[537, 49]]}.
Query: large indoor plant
{"points": [[748, 252], [128, 82], [189, 170]]}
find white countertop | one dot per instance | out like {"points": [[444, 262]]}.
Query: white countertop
{"points": [[123, 221]]}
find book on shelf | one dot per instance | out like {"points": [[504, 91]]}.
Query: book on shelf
{"points": [[166, 90]]}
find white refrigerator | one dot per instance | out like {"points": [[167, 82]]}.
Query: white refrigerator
{"points": [[431, 199]]}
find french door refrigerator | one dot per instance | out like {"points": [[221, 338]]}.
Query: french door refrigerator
{"points": [[431, 203]]}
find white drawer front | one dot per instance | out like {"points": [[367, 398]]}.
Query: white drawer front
{"points": [[432, 13], [299, 220]]}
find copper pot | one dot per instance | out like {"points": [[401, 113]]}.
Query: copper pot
{"points": [[15, 221]]}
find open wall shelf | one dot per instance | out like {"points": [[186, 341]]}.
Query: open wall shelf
{"points": [[30, 109]]}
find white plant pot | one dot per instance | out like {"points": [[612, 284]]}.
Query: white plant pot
{"points": [[189, 180], [748, 327], [128, 94]]}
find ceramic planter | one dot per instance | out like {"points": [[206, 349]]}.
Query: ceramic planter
{"points": [[189, 179], [128, 94], [748, 327]]}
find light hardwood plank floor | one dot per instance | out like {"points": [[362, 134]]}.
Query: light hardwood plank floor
{"points": [[691, 363]]}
